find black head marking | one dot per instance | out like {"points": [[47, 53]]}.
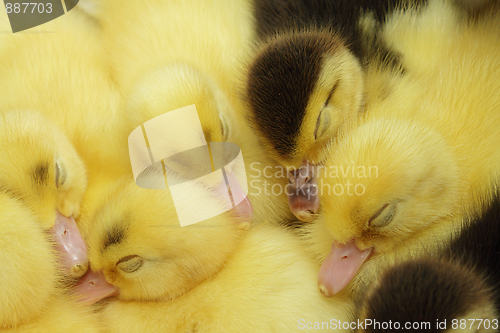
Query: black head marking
{"points": [[115, 235], [41, 173], [280, 81]]}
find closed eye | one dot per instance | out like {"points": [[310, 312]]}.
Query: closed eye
{"points": [[331, 94], [130, 263], [60, 173], [323, 121], [383, 216]]}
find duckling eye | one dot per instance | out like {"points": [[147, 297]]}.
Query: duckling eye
{"points": [[224, 128], [383, 216], [322, 124], [60, 173], [324, 116], [130, 264]]}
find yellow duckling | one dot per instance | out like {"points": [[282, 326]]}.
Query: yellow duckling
{"points": [[40, 167], [61, 72], [32, 299]]}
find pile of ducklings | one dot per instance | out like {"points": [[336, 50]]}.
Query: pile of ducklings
{"points": [[367, 190]]}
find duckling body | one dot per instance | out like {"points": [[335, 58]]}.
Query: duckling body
{"points": [[307, 84], [431, 146]]}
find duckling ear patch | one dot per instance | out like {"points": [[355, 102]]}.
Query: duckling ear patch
{"points": [[204, 181], [113, 236], [41, 173]]}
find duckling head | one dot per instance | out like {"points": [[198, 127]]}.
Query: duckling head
{"points": [[303, 89], [385, 183], [39, 166], [139, 245], [175, 86]]}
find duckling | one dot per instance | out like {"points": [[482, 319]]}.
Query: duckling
{"points": [[200, 64], [61, 72], [31, 298], [425, 161], [306, 84], [139, 245], [40, 167], [209, 276], [459, 283]]}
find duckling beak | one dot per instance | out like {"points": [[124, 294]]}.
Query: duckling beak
{"points": [[303, 192], [70, 246], [340, 267], [93, 287]]}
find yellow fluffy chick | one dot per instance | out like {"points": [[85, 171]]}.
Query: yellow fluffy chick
{"points": [[425, 153], [168, 55], [39, 166], [59, 69], [31, 299], [211, 276], [303, 89], [138, 243]]}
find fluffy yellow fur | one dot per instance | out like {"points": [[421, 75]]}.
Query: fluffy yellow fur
{"points": [[431, 143], [167, 55], [59, 70], [264, 287], [31, 299]]}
